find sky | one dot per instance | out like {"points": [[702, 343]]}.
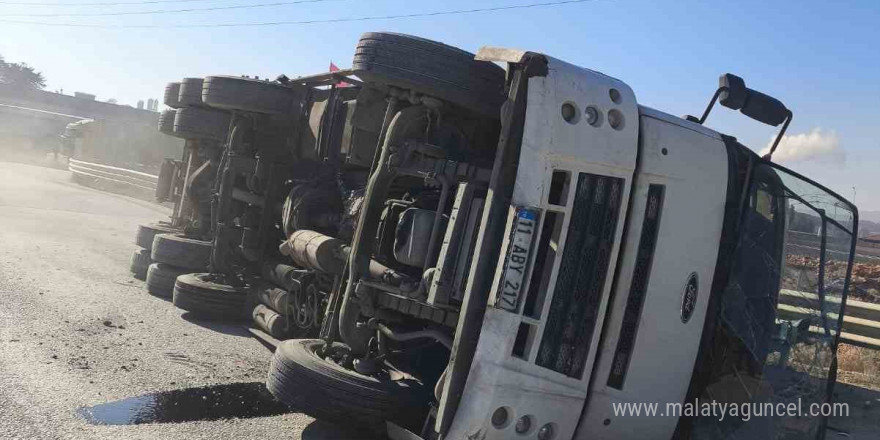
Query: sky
{"points": [[820, 58]]}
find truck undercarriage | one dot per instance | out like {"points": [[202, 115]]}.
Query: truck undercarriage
{"points": [[456, 250]]}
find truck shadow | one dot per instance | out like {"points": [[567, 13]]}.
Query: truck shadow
{"points": [[321, 430], [235, 400], [219, 402], [227, 328]]}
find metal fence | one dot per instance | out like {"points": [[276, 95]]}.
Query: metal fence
{"points": [[861, 321], [114, 176]]}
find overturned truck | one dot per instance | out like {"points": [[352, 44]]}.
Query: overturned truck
{"points": [[459, 250]]}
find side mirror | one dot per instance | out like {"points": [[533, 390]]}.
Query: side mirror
{"points": [[733, 94], [733, 91], [756, 105]]}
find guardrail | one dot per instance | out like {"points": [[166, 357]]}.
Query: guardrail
{"points": [[113, 175], [861, 321], [836, 247]]}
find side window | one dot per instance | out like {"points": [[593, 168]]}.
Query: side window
{"points": [[763, 202], [752, 296]]}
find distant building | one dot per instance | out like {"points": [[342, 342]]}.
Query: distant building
{"points": [[119, 135]]}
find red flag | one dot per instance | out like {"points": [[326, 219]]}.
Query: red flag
{"points": [[334, 68]]}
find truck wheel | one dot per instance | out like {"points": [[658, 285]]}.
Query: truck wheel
{"points": [[166, 122], [140, 260], [161, 278], [146, 233], [190, 92], [201, 123], [205, 296], [180, 251], [302, 378], [311, 207], [250, 95], [172, 93], [431, 68]]}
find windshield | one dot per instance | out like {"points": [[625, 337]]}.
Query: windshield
{"points": [[781, 311]]}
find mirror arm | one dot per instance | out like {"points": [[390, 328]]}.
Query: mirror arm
{"points": [[779, 136], [718, 93]]}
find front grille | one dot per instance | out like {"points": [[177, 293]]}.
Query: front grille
{"points": [[571, 320], [638, 288]]}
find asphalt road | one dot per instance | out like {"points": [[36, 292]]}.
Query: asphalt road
{"points": [[77, 330]]}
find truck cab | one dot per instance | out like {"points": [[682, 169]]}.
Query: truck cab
{"points": [[643, 234]]}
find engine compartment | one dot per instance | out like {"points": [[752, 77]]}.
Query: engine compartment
{"points": [[402, 238]]}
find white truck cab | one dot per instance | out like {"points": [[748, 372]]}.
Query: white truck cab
{"points": [[620, 210]]}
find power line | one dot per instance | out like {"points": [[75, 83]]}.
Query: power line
{"points": [[144, 2], [170, 11], [301, 22]]}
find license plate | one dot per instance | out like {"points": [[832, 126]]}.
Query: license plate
{"points": [[517, 259]]}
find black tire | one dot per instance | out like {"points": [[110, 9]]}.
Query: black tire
{"points": [[166, 122], [161, 279], [180, 251], [146, 233], [204, 297], [172, 92], [140, 261], [190, 92], [300, 378], [250, 95], [201, 123], [311, 207], [431, 68]]}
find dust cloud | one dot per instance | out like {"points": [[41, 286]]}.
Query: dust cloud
{"points": [[814, 145]]}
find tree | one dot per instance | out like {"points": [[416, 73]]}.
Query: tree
{"points": [[21, 75]]}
